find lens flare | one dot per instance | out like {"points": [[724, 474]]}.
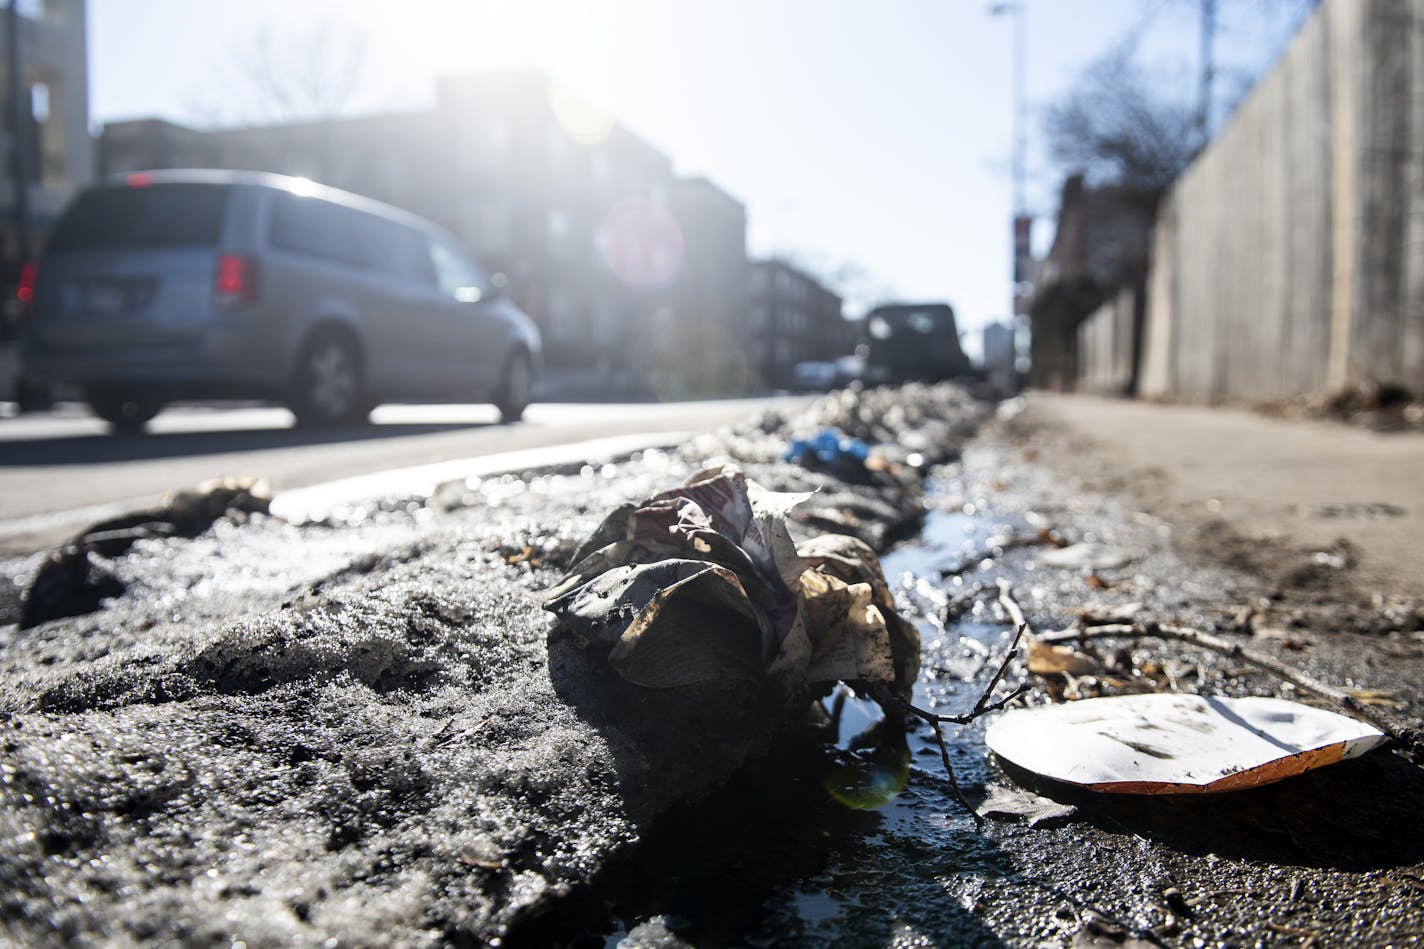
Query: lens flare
{"points": [[584, 120], [642, 244]]}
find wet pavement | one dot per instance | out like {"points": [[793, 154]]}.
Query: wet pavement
{"points": [[363, 731]]}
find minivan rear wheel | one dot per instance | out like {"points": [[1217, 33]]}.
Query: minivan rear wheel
{"points": [[516, 388], [326, 389], [124, 413]]}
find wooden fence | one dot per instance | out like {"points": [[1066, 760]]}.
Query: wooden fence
{"points": [[1289, 258]]}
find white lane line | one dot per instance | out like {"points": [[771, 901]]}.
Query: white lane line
{"points": [[420, 481]]}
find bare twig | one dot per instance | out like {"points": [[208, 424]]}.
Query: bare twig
{"points": [[1016, 613], [1409, 738], [983, 706]]}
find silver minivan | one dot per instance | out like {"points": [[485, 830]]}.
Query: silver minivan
{"points": [[165, 285]]}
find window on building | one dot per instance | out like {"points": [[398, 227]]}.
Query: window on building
{"points": [[605, 328], [561, 319], [558, 147], [560, 230], [601, 170]]}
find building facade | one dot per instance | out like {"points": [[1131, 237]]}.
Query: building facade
{"points": [[44, 138], [622, 265], [1100, 244], [792, 318]]}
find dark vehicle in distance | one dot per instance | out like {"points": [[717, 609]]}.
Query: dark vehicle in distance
{"points": [[913, 342], [166, 285]]}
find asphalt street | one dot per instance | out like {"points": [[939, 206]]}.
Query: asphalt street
{"points": [[61, 470]]}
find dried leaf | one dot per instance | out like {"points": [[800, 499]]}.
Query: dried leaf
{"points": [[1044, 659], [1374, 697], [1085, 556], [1108, 614], [1016, 802]]}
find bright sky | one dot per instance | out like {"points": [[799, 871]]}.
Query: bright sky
{"points": [[873, 132]]}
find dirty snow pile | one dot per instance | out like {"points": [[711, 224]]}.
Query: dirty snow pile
{"points": [[363, 731]]}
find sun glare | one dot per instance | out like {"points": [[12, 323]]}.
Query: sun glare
{"points": [[582, 44], [583, 119]]}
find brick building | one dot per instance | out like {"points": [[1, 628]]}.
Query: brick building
{"points": [[792, 318]]}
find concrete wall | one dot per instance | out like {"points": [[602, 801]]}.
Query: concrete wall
{"points": [[1289, 257], [1106, 346]]}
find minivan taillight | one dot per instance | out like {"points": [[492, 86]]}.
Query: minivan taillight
{"points": [[236, 280], [25, 291]]}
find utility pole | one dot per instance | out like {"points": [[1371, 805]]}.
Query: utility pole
{"points": [[1208, 71], [1022, 278], [19, 128]]}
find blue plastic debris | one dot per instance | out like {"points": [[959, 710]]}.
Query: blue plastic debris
{"points": [[828, 447]]}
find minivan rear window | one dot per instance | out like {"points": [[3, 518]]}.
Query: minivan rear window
{"points": [[159, 215]]}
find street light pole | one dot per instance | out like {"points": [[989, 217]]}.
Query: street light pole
{"points": [[1021, 277], [1016, 9]]}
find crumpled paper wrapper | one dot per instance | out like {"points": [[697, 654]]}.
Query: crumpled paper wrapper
{"points": [[703, 582]]}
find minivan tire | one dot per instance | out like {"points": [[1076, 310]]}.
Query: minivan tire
{"points": [[327, 383], [516, 388], [126, 414]]}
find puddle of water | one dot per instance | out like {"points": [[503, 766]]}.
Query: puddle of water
{"points": [[869, 850], [919, 818]]}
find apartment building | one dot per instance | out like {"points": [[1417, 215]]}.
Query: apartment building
{"points": [[792, 318]]}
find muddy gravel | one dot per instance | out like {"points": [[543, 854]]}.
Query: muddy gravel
{"points": [[367, 732]]}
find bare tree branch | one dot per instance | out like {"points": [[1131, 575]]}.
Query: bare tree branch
{"points": [[281, 77]]}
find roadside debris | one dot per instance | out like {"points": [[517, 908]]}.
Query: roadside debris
{"points": [[73, 582], [703, 582], [1379, 406], [69, 583], [179, 514], [834, 452], [1408, 737], [1085, 556], [1005, 801], [1176, 743]]}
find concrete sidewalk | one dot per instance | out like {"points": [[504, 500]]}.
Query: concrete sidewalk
{"points": [[1284, 483]]}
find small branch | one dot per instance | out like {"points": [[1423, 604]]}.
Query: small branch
{"points": [[981, 707], [1410, 738], [1016, 613], [934, 722]]}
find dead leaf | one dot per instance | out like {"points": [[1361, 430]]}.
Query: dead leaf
{"points": [[1107, 614], [1017, 802], [1085, 556], [1373, 697], [1044, 659]]}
